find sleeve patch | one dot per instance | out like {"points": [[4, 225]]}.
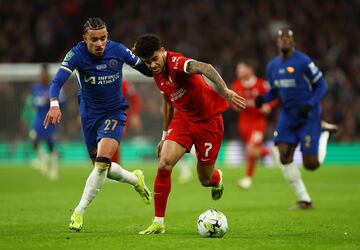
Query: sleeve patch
{"points": [[314, 69], [68, 56]]}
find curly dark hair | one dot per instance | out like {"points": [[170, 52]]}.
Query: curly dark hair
{"points": [[146, 45]]}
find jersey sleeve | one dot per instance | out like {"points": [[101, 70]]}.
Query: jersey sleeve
{"points": [[128, 56], [69, 64], [318, 83], [179, 63], [269, 75], [71, 61], [265, 89], [311, 71], [134, 61]]}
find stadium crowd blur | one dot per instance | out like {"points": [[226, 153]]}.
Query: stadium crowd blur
{"points": [[216, 31]]}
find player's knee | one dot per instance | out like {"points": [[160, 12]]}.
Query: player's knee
{"points": [[285, 160], [102, 163], [253, 152], [249, 149], [166, 163], [313, 165]]}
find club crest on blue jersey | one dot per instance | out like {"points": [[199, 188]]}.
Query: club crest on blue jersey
{"points": [[113, 63]]}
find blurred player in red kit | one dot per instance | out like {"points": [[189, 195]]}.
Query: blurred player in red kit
{"points": [[133, 113], [197, 120], [251, 121]]}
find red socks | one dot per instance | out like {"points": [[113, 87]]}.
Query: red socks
{"points": [[250, 166], [162, 188], [215, 180]]}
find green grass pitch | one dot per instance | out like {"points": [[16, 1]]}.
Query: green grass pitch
{"points": [[34, 212]]}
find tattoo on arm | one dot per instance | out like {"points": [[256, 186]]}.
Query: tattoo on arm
{"points": [[196, 67]]}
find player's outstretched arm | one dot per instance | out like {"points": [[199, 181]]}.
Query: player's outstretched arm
{"points": [[54, 114], [143, 69], [195, 67]]}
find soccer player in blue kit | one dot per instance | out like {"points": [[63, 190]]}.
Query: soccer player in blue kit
{"points": [[297, 81], [98, 64], [40, 101]]}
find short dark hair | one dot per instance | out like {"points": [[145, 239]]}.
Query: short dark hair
{"points": [[146, 45], [94, 23]]}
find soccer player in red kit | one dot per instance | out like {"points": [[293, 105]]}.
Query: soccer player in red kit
{"points": [[133, 113], [197, 120], [252, 121]]}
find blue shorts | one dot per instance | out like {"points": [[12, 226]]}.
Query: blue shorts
{"points": [[305, 131], [102, 126]]}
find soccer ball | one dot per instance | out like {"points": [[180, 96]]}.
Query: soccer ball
{"points": [[212, 223]]}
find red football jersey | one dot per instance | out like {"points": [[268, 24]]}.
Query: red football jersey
{"points": [[250, 90], [132, 97], [189, 94]]}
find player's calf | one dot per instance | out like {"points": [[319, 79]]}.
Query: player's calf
{"points": [[206, 182], [286, 152]]}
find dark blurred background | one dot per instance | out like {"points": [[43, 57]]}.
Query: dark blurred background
{"points": [[216, 31]]}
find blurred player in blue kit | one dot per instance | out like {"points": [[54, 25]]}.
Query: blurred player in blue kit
{"points": [[98, 64], [300, 85], [48, 164]]}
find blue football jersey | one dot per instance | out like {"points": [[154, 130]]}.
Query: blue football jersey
{"points": [[40, 95], [294, 79], [99, 78]]}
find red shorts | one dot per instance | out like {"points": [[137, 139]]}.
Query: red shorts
{"points": [[205, 135], [252, 132]]}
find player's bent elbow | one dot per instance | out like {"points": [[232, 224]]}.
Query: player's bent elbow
{"points": [[286, 160]]}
